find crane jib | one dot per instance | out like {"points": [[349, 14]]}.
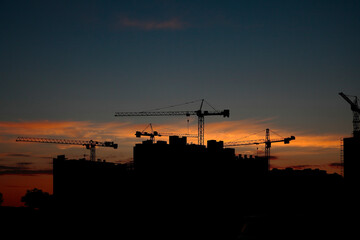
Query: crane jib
{"points": [[170, 113], [225, 113]]}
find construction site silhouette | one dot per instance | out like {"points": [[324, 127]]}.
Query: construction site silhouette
{"points": [[179, 190], [176, 190]]}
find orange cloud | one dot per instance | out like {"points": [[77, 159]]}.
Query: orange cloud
{"points": [[306, 150], [43, 128], [123, 133], [68, 129], [247, 130], [314, 141], [172, 24], [227, 131]]}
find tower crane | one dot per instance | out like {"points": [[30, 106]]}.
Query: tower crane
{"points": [[356, 111], [267, 142], [199, 113], [88, 144], [153, 133]]}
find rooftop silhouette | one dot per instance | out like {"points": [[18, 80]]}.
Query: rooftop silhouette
{"points": [[186, 189], [180, 189]]}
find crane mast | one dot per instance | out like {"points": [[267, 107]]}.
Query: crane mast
{"points": [[267, 144], [356, 111], [199, 113], [88, 144]]}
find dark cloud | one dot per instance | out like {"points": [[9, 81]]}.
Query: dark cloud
{"points": [[4, 167], [336, 164], [124, 160], [22, 155], [303, 166], [21, 170], [299, 167], [24, 163], [17, 155]]}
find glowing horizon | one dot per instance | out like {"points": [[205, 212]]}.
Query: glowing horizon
{"points": [[33, 160], [124, 133]]}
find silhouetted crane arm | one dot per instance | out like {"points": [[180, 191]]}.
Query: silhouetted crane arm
{"points": [[88, 144], [50, 140], [354, 106], [225, 113], [240, 143], [166, 113], [67, 141], [285, 140], [257, 142]]}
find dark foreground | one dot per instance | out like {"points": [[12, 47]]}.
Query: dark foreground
{"points": [[107, 224], [214, 213]]}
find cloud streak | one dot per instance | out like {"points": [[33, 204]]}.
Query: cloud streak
{"points": [[21, 170], [171, 24], [17, 155], [312, 147], [68, 129], [227, 131], [44, 128]]}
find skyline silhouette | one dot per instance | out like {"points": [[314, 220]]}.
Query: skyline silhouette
{"points": [[24, 168], [67, 67], [179, 189]]}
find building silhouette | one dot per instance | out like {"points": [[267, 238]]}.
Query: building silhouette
{"points": [[176, 167], [186, 189], [84, 183], [351, 159]]}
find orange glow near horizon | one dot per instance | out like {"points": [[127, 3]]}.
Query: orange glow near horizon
{"points": [[305, 150], [14, 187], [225, 131]]}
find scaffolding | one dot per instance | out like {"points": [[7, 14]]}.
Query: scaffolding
{"points": [[342, 157]]}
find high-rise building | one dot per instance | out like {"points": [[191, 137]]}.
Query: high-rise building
{"points": [[351, 159]]}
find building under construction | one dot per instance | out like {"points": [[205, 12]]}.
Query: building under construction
{"points": [[351, 159], [351, 145], [179, 159], [82, 182], [179, 188], [181, 184], [175, 166]]}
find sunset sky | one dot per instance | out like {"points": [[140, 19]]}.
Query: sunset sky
{"points": [[67, 66]]}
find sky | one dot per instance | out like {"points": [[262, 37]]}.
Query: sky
{"points": [[67, 66]]}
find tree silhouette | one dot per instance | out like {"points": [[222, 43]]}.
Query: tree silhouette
{"points": [[36, 198]]}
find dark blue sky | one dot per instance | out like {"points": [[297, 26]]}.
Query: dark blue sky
{"points": [[85, 60]]}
